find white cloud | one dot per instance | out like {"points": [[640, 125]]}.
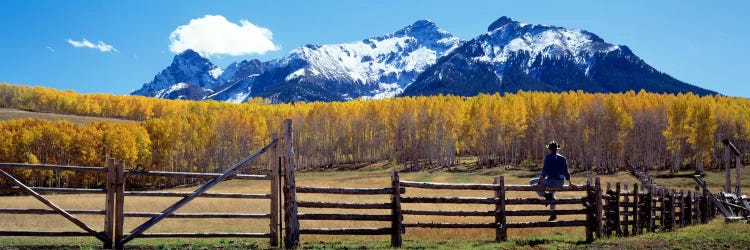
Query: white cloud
{"points": [[50, 49], [101, 46], [214, 35]]}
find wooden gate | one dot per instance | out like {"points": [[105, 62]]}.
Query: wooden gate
{"points": [[17, 186], [281, 155], [273, 216]]}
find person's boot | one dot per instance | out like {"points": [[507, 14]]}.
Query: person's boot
{"points": [[548, 197], [552, 217]]}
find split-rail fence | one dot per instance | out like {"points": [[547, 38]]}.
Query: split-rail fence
{"points": [[607, 211]]}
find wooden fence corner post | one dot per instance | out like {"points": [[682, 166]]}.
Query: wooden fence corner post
{"points": [[291, 236], [650, 209], [590, 216], [682, 208], [396, 217], [663, 209], [616, 205], [738, 190], [273, 166], [625, 212], [727, 166], [689, 208], [636, 228], [501, 225], [699, 217], [672, 207], [598, 224], [608, 213], [109, 207], [119, 219]]}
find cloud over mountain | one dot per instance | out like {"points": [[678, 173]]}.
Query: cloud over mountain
{"points": [[215, 35]]}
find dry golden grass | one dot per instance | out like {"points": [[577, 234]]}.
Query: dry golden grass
{"points": [[378, 178], [10, 114]]}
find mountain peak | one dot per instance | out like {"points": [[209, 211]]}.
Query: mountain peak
{"points": [[188, 53], [423, 24], [500, 22], [420, 26], [189, 56]]}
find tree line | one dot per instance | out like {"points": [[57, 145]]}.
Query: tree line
{"points": [[600, 132]]}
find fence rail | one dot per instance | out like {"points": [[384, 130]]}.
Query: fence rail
{"points": [[114, 192], [611, 210]]}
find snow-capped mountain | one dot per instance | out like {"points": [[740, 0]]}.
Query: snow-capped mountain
{"points": [[422, 59], [190, 76], [514, 56], [376, 67]]}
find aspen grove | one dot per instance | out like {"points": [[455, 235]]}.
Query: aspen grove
{"points": [[598, 132]]}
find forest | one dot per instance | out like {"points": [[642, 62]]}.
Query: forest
{"points": [[598, 132]]}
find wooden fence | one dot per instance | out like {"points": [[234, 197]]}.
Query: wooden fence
{"points": [[114, 197], [498, 198], [615, 211], [17, 186], [619, 211], [115, 193]]}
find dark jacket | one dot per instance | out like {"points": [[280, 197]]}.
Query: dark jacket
{"points": [[555, 167]]}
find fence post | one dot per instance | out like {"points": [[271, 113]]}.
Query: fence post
{"points": [[636, 216], [273, 166], [598, 197], [608, 214], [672, 208], [396, 216], [682, 208], [618, 229], [663, 207], [738, 190], [109, 207], [699, 217], [625, 208], [689, 208], [711, 207], [727, 166], [650, 209], [291, 236], [590, 228], [501, 229], [120, 203]]}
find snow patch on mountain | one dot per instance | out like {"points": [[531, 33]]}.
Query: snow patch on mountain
{"points": [[388, 62], [509, 38], [239, 97], [376, 67], [164, 92], [216, 72]]}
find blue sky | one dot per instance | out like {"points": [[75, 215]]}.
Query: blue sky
{"points": [[699, 42]]}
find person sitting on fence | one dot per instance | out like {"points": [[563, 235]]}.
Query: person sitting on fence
{"points": [[554, 172]]}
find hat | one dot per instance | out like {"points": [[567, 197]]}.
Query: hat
{"points": [[553, 145]]}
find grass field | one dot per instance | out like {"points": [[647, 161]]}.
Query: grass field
{"points": [[415, 237], [715, 180], [10, 114]]}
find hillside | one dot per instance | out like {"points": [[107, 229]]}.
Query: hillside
{"points": [[609, 132], [10, 114]]}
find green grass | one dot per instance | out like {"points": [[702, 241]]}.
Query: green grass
{"points": [[10, 114], [714, 235], [558, 241]]}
